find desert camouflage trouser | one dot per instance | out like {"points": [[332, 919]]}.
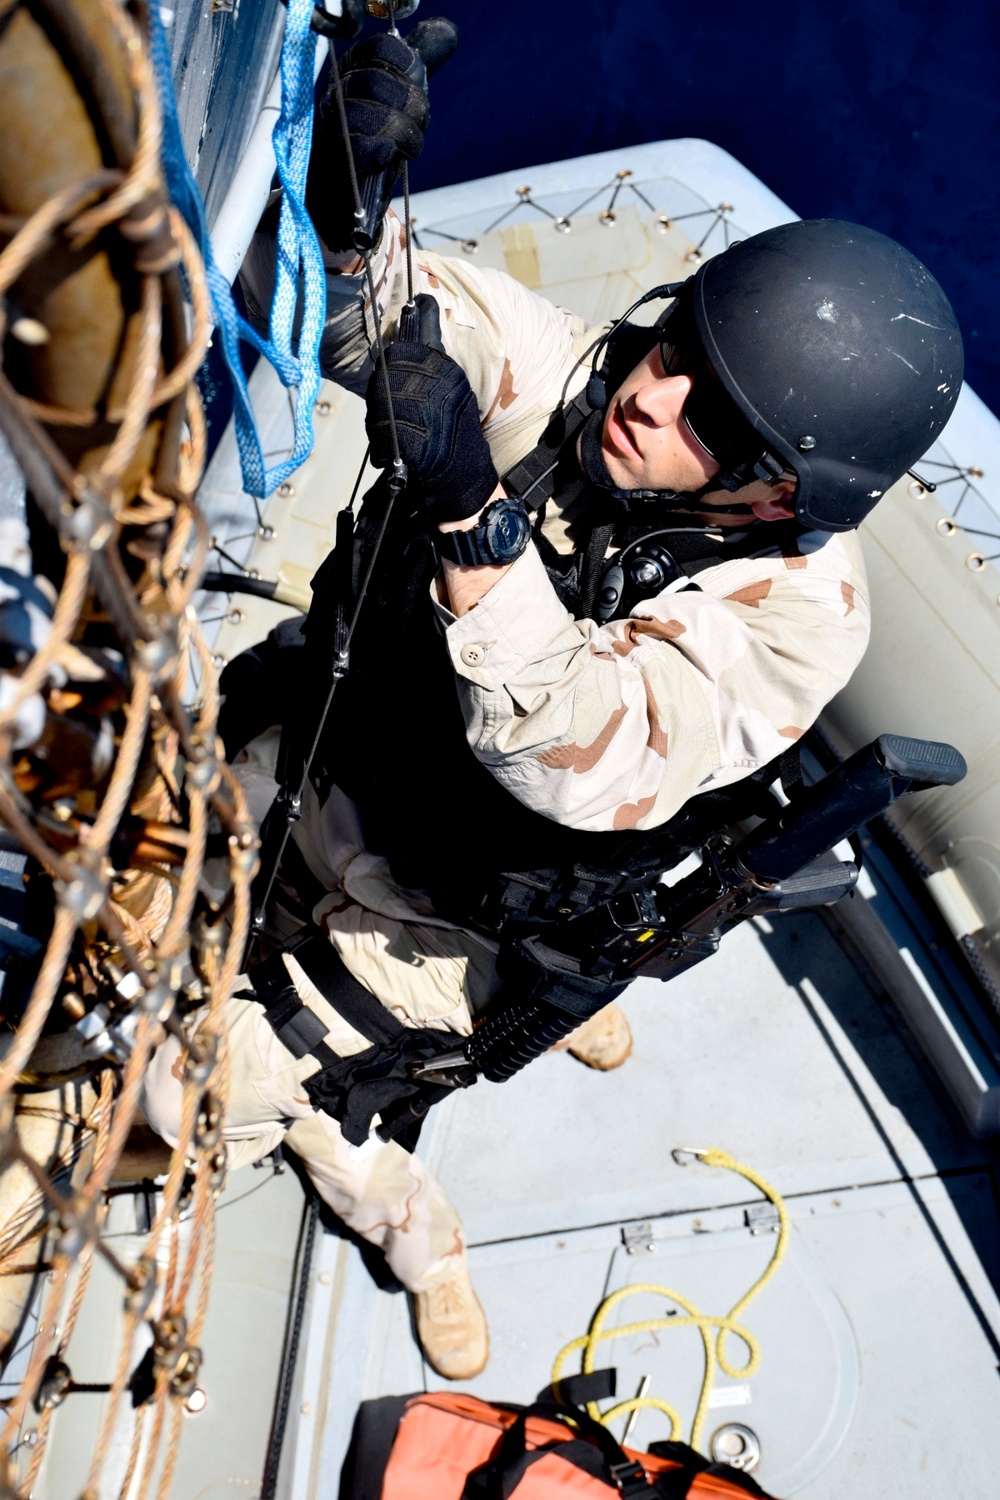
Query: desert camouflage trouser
{"points": [[425, 971], [388, 1198]]}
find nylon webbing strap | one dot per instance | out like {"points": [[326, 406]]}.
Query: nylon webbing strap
{"points": [[676, 1484], [589, 1447], [291, 1019], [533, 478], [293, 352], [780, 535]]}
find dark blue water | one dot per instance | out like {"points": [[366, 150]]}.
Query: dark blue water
{"points": [[886, 112]]}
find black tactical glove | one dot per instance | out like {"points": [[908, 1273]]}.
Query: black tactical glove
{"points": [[437, 423], [386, 105]]}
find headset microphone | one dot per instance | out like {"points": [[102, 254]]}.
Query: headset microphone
{"points": [[597, 395]]}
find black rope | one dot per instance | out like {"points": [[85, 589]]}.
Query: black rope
{"points": [[408, 234], [290, 1352], [288, 801]]}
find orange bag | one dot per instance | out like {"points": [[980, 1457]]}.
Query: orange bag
{"points": [[456, 1447]]}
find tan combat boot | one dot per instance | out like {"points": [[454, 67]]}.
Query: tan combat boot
{"points": [[451, 1327], [603, 1042]]}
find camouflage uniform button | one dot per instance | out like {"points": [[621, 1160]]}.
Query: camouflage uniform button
{"points": [[473, 656]]}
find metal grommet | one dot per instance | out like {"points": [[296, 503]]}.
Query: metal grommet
{"points": [[737, 1446], [607, 218], [975, 562], [695, 257], [806, 444], [663, 224], [286, 490], [945, 526], [470, 246], [563, 225]]}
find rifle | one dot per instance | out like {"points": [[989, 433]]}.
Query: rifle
{"points": [[567, 973]]}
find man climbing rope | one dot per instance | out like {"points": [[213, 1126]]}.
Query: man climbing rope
{"points": [[589, 609]]}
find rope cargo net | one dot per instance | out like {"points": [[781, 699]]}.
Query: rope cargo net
{"points": [[113, 788]]}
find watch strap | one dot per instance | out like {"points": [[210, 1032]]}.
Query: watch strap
{"points": [[472, 548], [465, 547]]}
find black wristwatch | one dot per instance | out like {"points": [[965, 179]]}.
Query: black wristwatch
{"points": [[503, 532]]}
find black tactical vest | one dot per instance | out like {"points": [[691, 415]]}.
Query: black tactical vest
{"points": [[396, 739]]}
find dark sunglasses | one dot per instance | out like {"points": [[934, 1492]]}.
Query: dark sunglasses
{"points": [[710, 413]]}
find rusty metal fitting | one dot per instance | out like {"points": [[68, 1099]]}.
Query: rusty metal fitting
{"points": [[207, 934], [72, 1242], [203, 775], [200, 1063], [169, 1339], [218, 1167], [186, 1372], [208, 1124], [158, 651], [53, 1388], [142, 1283], [158, 1000], [79, 1228], [85, 893], [88, 525], [158, 657], [243, 859]]}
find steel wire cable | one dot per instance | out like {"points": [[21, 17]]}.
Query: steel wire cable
{"points": [[289, 799], [157, 744]]}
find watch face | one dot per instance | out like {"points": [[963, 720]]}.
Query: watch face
{"points": [[507, 531]]}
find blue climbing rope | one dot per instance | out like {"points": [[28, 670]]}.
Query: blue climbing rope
{"points": [[299, 261]]}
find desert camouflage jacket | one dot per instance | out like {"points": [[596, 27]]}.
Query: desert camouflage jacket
{"points": [[608, 726]]}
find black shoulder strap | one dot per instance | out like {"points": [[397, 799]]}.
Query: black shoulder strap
{"points": [[293, 1023], [591, 1448], [533, 477], [676, 1484], [758, 538]]}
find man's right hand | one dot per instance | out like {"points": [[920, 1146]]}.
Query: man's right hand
{"points": [[437, 423], [386, 115]]}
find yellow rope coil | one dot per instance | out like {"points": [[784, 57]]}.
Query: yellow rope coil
{"points": [[714, 1330]]}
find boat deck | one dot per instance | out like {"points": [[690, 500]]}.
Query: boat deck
{"points": [[879, 1333]]}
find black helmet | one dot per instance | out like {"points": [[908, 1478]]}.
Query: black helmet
{"points": [[838, 348]]}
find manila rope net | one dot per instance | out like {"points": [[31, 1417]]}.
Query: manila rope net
{"points": [[106, 320]]}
